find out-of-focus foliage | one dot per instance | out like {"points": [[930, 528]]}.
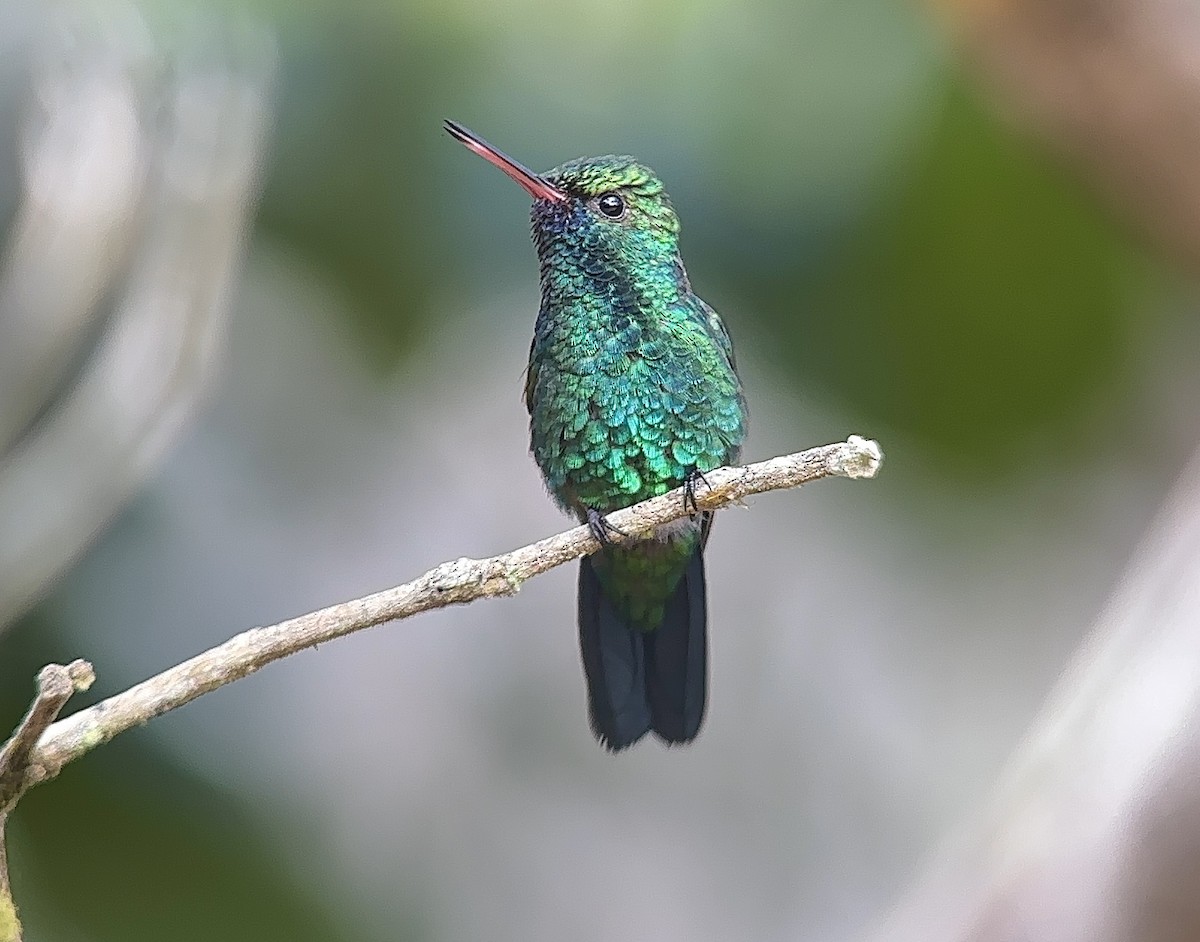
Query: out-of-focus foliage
{"points": [[985, 300], [132, 166], [348, 188]]}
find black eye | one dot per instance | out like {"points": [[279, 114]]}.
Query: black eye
{"points": [[611, 205]]}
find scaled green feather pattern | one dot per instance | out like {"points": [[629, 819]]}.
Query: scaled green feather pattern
{"points": [[632, 392], [631, 382]]}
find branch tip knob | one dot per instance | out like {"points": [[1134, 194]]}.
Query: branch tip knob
{"points": [[858, 458]]}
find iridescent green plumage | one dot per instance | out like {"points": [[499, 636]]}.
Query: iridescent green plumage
{"points": [[631, 391], [631, 382]]}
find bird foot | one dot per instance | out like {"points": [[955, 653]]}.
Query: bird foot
{"points": [[600, 528], [689, 490]]}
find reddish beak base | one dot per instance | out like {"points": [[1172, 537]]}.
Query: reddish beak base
{"points": [[533, 184]]}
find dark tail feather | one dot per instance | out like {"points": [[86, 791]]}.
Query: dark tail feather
{"points": [[639, 680], [677, 659], [615, 664]]}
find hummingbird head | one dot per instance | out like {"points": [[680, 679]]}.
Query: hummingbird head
{"points": [[598, 215], [615, 199]]}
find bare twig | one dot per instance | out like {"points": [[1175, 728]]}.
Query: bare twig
{"points": [[451, 583], [55, 684], [10, 925]]}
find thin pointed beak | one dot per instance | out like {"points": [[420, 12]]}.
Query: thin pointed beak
{"points": [[534, 185]]}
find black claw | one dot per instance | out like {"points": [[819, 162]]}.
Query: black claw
{"points": [[689, 490], [600, 527]]}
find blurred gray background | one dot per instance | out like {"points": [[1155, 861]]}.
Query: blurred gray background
{"points": [[262, 331]]}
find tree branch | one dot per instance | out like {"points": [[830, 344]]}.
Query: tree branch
{"points": [[10, 925], [451, 583], [55, 684]]}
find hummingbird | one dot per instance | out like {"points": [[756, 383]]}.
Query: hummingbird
{"points": [[631, 391]]}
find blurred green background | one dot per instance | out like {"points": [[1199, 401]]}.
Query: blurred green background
{"points": [[891, 259]]}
